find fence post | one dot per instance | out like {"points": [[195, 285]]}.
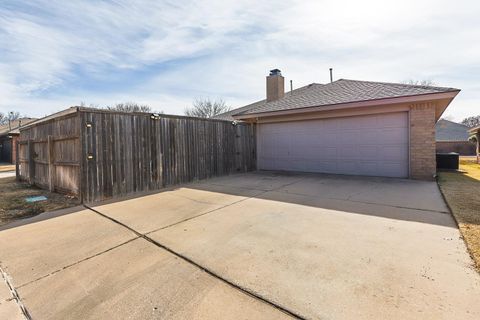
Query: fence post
{"points": [[17, 160], [31, 163], [237, 148], [51, 166]]}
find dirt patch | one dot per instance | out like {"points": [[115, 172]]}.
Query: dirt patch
{"points": [[13, 205], [462, 192]]}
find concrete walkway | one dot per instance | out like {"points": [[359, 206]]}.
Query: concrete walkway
{"points": [[251, 246], [7, 174]]}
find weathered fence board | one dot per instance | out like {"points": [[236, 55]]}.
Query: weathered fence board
{"points": [[134, 153], [49, 155], [100, 155]]}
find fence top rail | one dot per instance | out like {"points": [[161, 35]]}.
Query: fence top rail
{"points": [[50, 118], [73, 110], [148, 114]]}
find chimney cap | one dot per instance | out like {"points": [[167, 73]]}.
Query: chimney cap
{"points": [[275, 72]]}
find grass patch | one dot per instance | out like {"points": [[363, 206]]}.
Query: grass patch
{"points": [[13, 205], [462, 192]]}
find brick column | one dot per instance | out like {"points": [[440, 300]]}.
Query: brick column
{"points": [[14, 149], [422, 141]]}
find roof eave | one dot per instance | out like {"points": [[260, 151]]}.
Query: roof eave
{"points": [[353, 104], [474, 129]]}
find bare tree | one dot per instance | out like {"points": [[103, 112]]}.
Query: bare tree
{"points": [[472, 121], [206, 108], [123, 107], [10, 116], [130, 107], [426, 82]]}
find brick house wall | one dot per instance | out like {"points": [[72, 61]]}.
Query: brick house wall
{"points": [[422, 141]]}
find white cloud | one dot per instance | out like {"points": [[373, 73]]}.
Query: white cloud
{"points": [[225, 48]]}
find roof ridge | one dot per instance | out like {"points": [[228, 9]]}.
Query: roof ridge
{"points": [[401, 84], [442, 119], [242, 109], [340, 91]]}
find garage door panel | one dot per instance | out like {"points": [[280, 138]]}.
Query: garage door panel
{"points": [[327, 166], [298, 165], [348, 152], [369, 135], [368, 152], [393, 169], [393, 153], [364, 145], [394, 135], [365, 123], [368, 167], [327, 125], [393, 120], [350, 136], [330, 153], [329, 138], [347, 167]]}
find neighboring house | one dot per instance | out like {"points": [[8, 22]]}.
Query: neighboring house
{"points": [[347, 127], [475, 138], [8, 137], [453, 137]]}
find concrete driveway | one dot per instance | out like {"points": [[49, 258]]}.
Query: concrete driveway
{"points": [[252, 246]]}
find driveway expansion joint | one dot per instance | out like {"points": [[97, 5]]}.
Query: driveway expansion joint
{"points": [[205, 269], [15, 294], [260, 192], [366, 202], [202, 214], [77, 262]]}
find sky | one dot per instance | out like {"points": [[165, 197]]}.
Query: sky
{"points": [[57, 54]]}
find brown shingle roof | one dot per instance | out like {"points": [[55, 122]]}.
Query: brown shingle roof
{"points": [[337, 92], [15, 125], [294, 93]]}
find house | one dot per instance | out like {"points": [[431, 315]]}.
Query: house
{"points": [[9, 134], [347, 127], [453, 137], [475, 138]]}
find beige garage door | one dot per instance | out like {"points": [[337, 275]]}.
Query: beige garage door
{"points": [[373, 145]]}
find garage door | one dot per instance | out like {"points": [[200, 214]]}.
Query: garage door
{"points": [[373, 145]]}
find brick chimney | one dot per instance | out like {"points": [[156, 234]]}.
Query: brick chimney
{"points": [[275, 85]]}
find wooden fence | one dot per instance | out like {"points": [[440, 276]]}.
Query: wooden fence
{"points": [[100, 155], [48, 154]]}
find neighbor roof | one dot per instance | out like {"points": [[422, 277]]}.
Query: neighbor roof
{"points": [[14, 125], [337, 92], [474, 130], [446, 130]]}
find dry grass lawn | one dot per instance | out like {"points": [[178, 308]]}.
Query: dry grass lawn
{"points": [[462, 192], [6, 167], [13, 205]]}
